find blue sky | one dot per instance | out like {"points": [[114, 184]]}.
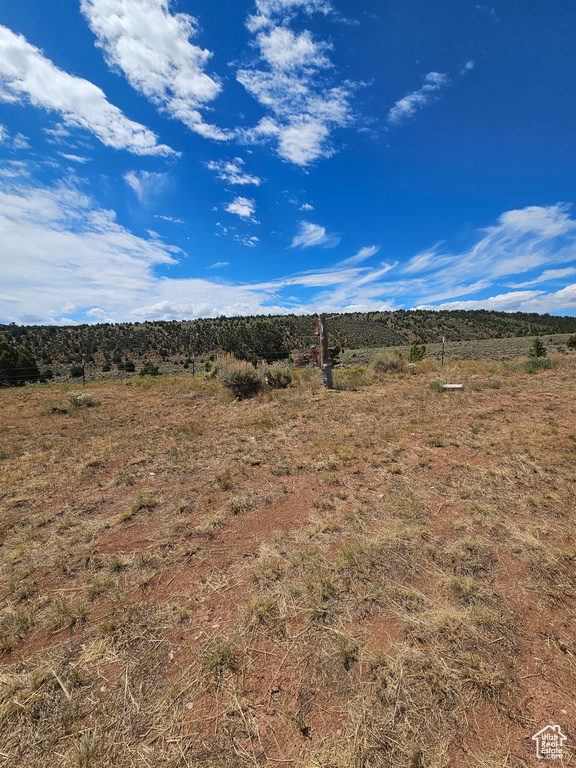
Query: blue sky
{"points": [[193, 158]]}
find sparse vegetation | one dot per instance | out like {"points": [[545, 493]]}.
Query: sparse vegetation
{"points": [[336, 579]]}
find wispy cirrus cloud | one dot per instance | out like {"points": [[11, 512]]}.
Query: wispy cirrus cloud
{"points": [[62, 254], [152, 48], [291, 79], [362, 255], [233, 172], [75, 158], [28, 77], [147, 185], [549, 275], [218, 265], [413, 102], [313, 234]]}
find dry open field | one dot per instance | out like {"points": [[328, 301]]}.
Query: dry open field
{"points": [[383, 575]]}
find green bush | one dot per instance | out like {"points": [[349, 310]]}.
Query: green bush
{"points": [[278, 377], [571, 341], [437, 384], [386, 362], [106, 367], [129, 366], [242, 379], [538, 364], [149, 369], [76, 371]]}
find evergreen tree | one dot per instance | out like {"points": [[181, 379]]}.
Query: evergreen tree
{"points": [[538, 348], [262, 340], [17, 366]]}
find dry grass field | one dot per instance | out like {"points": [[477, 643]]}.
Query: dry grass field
{"points": [[380, 575]]}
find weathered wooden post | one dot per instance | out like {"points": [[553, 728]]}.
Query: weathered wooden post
{"points": [[325, 363]]}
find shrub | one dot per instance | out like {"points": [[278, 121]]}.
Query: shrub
{"points": [[538, 364], [129, 366], [106, 367], [417, 352], [149, 369], [437, 384], [538, 348], [571, 341], [386, 362], [76, 371], [278, 377], [242, 379], [82, 400]]}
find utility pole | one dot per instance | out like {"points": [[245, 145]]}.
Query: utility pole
{"points": [[443, 340], [193, 361], [325, 363]]}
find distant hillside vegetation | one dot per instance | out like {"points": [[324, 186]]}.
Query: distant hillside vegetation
{"points": [[168, 340]]}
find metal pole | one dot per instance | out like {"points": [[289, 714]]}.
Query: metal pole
{"points": [[193, 369], [443, 340], [325, 363]]}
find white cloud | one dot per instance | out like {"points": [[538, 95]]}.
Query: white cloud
{"points": [[546, 276], [313, 234], [413, 102], [468, 67], [362, 255], [62, 254], [146, 184], [284, 9], [59, 249], [99, 314], [27, 76], [152, 48], [171, 219], [290, 80], [243, 207], [563, 300], [232, 171], [306, 207], [75, 158], [3, 133], [21, 142], [218, 265], [249, 242]]}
